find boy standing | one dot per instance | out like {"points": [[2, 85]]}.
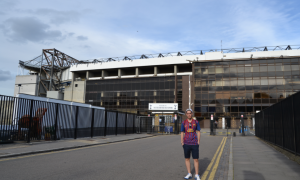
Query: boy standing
{"points": [[190, 140]]}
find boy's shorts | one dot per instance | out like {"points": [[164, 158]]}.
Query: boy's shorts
{"points": [[188, 149]]}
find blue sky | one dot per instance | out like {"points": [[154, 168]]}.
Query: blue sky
{"points": [[97, 28]]}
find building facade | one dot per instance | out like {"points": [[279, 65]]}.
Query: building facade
{"points": [[234, 88], [226, 85]]}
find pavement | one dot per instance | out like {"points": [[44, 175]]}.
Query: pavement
{"points": [[254, 159], [143, 156]]}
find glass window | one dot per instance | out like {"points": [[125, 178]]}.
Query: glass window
{"points": [[287, 68], [241, 69], [295, 67], [233, 69], [280, 81], [256, 82], [212, 109], [203, 83], [219, 70], [255, 69], [204, 109], [233, 82], [278, 68], [263, 68], [219, 83], [241, 82], [226, 70], [212, 96], [226, 83], [249, 82], [271, 68], [272, 82], [248, 69], [211, 70], [204, 70], [264, 82], [204, 96]]}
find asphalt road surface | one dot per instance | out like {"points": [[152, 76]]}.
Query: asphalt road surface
{"points": [[158, 157]]}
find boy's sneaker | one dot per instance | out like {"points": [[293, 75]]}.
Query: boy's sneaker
{"points": [[189, 176], [197, 177]]}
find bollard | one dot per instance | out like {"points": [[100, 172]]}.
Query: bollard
{"points": [[233, 134]]}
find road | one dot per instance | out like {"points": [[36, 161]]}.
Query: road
{"points": [[158, 157]]}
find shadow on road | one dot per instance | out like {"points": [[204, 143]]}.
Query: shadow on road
{"points": [[253, 175], [203, 163]]}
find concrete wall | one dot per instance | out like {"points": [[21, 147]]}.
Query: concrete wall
{"points": [[78, 94], [29, 84], [55, 95]]}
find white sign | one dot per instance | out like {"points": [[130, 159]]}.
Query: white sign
{"points": [[175, 117], [211, 117], [163, 106], [242, 115]]}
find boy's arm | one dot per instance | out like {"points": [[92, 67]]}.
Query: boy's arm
{"points": [[182, 134], [182, 143], [198, 132], [198, 135]]}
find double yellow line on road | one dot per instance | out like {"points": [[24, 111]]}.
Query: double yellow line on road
{"points": [[215, 160]]}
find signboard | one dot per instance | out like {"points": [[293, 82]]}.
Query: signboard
{"points": [[163, 106], [175, 117], [211, 117]]}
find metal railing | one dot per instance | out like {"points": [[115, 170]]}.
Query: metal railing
{"points": [[144, 125], [27, 119], [279, 124], [193, 52]]}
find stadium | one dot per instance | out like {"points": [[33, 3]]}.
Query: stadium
{"points": [[223, 83]]}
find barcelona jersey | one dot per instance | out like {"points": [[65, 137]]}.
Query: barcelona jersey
{"points": [[190, 128]]}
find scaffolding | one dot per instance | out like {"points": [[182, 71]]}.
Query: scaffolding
{"points": [[49, 66]]}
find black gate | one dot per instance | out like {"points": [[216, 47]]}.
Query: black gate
{"points": [[146, 124]]}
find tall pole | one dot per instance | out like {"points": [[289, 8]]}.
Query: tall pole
{"points": [[189, 91]]}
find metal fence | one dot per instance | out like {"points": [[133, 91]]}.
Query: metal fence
{"points": [[144, 124], [280, 124], [27, 119]]}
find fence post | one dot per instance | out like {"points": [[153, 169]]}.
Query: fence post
{"points": [[125, 123], [76, 123], [263, 123], [117, 123], [92, 125], [294, 125], [274, 130], [30, 121], [55, 126], [134, 117], [105, 119], [282, 125]]}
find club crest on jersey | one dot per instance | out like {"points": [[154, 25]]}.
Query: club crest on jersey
{"points": [[190, 130]]}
